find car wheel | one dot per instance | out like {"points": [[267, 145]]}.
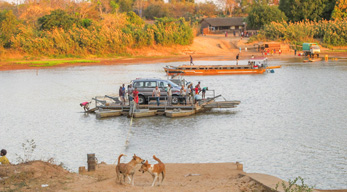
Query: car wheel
{"points": [[174, 100], [142, 99]]}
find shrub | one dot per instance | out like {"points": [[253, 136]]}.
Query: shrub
{"points": [[57, 19], [328, 32]]}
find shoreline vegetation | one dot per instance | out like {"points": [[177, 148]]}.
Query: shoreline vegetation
{"points": [[326, 33], [208, 48], [64, 33]]}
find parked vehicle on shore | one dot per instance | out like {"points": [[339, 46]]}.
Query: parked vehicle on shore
{"points": [[145, 86], [311, 49]]}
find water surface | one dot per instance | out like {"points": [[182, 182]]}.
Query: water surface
{"points": [[290, 123]]}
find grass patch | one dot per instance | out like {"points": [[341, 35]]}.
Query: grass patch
{"points": [[54, 62], [338, 50]]}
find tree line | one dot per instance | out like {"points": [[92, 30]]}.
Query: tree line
{"points": [[297, 21], [61, 28], [296, 10]]}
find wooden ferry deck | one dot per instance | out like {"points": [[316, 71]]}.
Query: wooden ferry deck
{"points": [[179, 110]]}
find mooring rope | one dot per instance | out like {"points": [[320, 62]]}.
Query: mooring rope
{"points": [[131, 110]]}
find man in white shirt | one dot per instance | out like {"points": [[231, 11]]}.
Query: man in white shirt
{"points": [[156, 94], [169, 95], [183, 93]]}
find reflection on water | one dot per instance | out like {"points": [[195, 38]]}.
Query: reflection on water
{"points": [[290, 123]]}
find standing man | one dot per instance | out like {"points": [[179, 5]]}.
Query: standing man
{"points": [[197, 88], [156, 94], [169, 95], [237, 58], [204, 92], [121, 95], [295, 52], [130, 93], [183, 93], [136, 97], [191, 60]]}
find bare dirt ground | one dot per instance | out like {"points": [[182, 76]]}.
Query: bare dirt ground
{"points": [[210, 47], [180, 177], [43, 176]]}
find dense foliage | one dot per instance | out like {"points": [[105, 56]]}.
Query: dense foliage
{"points": [[315, 10], [57, 19], [61, 33], [340, 10], [329, 32], [113, 35], [260, 15], [8, 28]]}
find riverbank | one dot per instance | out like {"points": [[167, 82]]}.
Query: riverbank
{"points": [[44, 176], [210, 47]]}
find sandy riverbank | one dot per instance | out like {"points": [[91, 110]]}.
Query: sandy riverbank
{"points": [[43, 176], [211, 47]]}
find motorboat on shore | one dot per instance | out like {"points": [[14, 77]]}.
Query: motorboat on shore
{"points": [[256, 65]]}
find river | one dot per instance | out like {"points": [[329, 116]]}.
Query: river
{"points": [[290, 123]]}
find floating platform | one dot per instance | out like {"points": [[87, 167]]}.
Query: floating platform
{"points": [[179, 113], [222, 104], [116, 109], [145, 113], [108, 113]]}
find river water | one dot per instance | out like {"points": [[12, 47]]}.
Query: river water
{"points": [[290, 123]]}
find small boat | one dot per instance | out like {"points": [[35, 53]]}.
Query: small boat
{"points": [[273, 67], [256, 65], [312, 60]]}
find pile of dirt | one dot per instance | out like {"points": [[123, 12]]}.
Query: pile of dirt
{"points": [[32, 176]]}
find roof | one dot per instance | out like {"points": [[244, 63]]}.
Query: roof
{"points": [[224, 21]]}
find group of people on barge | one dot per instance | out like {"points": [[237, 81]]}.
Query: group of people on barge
{"points": [[132, 94], [188, 95]]}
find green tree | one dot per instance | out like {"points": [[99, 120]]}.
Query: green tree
{"points": [[243, 8], [57, 18], [208, 9], [125, 5], [261, 14], [298, 10], [340, 10], [156, 10], [134, 19], [8, 27], [114, 6]]}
